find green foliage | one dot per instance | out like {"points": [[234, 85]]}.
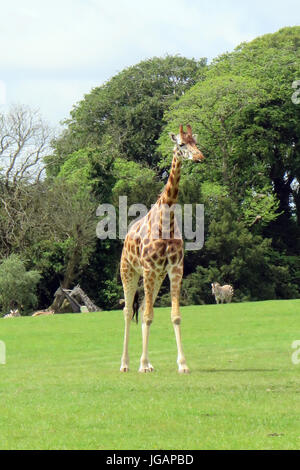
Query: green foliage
{"points": [[273, 127], [100, 278], [17, 285], [265, 205], [77, 169], [112, 293], [108, 178], [89, 170], [140, 185]]}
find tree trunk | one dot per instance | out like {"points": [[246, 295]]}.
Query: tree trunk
{"points": [[72, 269]]}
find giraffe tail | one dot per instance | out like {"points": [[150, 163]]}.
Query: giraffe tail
{"points": [[136, 307]]}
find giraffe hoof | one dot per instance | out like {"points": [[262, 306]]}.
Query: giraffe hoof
{"points": [[124, 369], [143, 370], [184, 370]]}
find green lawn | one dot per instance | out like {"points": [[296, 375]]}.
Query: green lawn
{"points": [[61, 387]]}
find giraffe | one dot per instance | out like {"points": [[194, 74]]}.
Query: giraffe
{"points": [[149, 253]]}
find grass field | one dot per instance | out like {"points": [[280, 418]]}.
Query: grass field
{"points": [[61, 387]]}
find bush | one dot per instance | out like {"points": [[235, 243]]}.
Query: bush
{"points": [[17, 286]]}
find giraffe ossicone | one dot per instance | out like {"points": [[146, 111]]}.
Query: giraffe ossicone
{"points": [[147, 252]]}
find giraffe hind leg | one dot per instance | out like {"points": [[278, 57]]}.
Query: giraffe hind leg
{"points": [[152, 285]]}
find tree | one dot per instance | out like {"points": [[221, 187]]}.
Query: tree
{"points": [[273, 136], [65, 229], [24, 141]]}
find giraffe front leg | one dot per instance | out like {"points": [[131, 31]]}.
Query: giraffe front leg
{"points": [[130, 281], [145, 365], [175, 276], [125, 356]]}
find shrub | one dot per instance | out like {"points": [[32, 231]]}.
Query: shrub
{"points": [[17, 286]]}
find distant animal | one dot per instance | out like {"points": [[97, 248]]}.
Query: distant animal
{"points": [[13, 314], [43, 312], [222, 293]]}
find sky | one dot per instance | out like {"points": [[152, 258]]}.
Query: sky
{"points": [[54, 52]]}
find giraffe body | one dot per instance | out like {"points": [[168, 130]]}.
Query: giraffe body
{"points": [[153, 248]]}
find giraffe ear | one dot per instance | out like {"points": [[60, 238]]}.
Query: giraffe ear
{"points": [[172, 136], [195, 137]]}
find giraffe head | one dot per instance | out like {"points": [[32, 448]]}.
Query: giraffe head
{"points": [[186, 144]]}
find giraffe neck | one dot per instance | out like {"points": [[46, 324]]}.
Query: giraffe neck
{"points": [[170, 193], [161, 222]]}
